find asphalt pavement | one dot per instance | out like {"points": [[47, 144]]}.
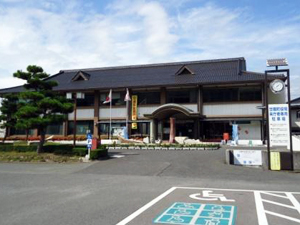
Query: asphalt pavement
{"points": [[109, 191]]}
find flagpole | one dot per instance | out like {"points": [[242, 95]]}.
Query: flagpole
{"points": [[127, 116], [110, 103]]}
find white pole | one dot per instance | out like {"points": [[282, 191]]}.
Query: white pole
{"points": [[127, 116], [110, 116]]}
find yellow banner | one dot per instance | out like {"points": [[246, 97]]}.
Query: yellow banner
{"points": [[134, 102], [275, 161], [134, 126]]}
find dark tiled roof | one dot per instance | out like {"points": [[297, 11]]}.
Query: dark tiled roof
{"points": [[205, 72]]}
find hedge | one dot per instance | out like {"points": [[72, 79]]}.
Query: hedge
{"points": [[18, 148], [98, 153], [80, 151], [56, 149]]}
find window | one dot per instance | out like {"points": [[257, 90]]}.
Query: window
{"points": [[143, 130], [54, 129], [117, 98], [115, 127], [298, 114], [81, 127], [88, 100], [182, 96], [232, 94], [250, 94], [14, 131], [146, 98]]}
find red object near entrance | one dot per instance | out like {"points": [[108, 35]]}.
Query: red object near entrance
{"points": [[94, 143], [226, 136]]}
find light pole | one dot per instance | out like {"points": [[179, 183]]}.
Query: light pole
{"points": [[77, 95], [276, 63]]}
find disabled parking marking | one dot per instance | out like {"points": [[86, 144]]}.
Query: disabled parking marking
{"points": [[207, 196], [198, 214], [254, 212]]}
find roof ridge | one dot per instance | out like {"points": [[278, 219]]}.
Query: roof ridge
{"points": [[154, 64]]}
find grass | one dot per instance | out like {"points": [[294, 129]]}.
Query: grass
{"points": [[34, 157]]}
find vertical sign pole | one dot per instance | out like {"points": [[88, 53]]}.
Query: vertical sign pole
{"points": [[75, 127], [110, 104], [290, 121], [267, 118]]}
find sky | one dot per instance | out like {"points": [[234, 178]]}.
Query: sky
{"points": [[73, 34]]}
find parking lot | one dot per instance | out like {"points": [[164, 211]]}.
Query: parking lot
{"points": [[145, 186]]}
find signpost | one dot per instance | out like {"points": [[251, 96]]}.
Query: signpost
{"points": [[89, 138], [134, 103], [279, 125], [275, 161], [247, 157]]}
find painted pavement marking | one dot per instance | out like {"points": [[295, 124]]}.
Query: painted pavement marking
{"points": [[207, 196], [262, 212], [191, 215], [182, 213]]}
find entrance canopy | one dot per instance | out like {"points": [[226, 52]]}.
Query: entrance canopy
{"points": [[173, 110]]}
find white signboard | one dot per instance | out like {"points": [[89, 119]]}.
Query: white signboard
{"points": [[279, 125], [247, 157]]}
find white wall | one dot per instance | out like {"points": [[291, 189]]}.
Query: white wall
{"points": [[250, 131], [193, 107], [82, 114], [141, 110], [237, 109], [116, 113]]}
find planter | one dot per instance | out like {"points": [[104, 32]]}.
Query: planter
{"points": [[150, 148], [193, 148], [171, 148], [131, 148]]}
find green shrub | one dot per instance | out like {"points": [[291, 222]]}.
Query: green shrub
{"points": [[80, 151], [6, 147], [25, 148], [98, 153], [58, 149]]}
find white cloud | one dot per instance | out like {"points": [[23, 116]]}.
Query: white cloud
{"points": [[58, 35]]}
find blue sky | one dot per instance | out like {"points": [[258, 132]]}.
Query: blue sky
{"points": [[78, 34]]}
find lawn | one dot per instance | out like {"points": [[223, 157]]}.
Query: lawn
{"points": [[34, 157]]}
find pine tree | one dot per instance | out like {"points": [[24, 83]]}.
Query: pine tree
{"points": [[42, 106], [8, 110]]}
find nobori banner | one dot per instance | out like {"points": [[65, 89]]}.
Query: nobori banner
{"points": [[279, 124]]}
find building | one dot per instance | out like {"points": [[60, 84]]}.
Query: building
{"points": [[205, 97], [295, 114]]}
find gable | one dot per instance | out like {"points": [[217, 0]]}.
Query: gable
{"points": [[81, 76], [184, 70]]}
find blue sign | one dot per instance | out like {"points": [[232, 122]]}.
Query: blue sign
{"points": [[89, 138], [198, 214]]}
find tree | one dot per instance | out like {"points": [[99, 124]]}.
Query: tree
{"points": [[8, 110], [42, 105]]}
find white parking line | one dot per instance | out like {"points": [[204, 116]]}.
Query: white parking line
{"points": [[145, 207], [261, 212]]}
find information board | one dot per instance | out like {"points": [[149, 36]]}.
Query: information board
{"points": [[279, 125], [247, 157], [275, 161]]}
